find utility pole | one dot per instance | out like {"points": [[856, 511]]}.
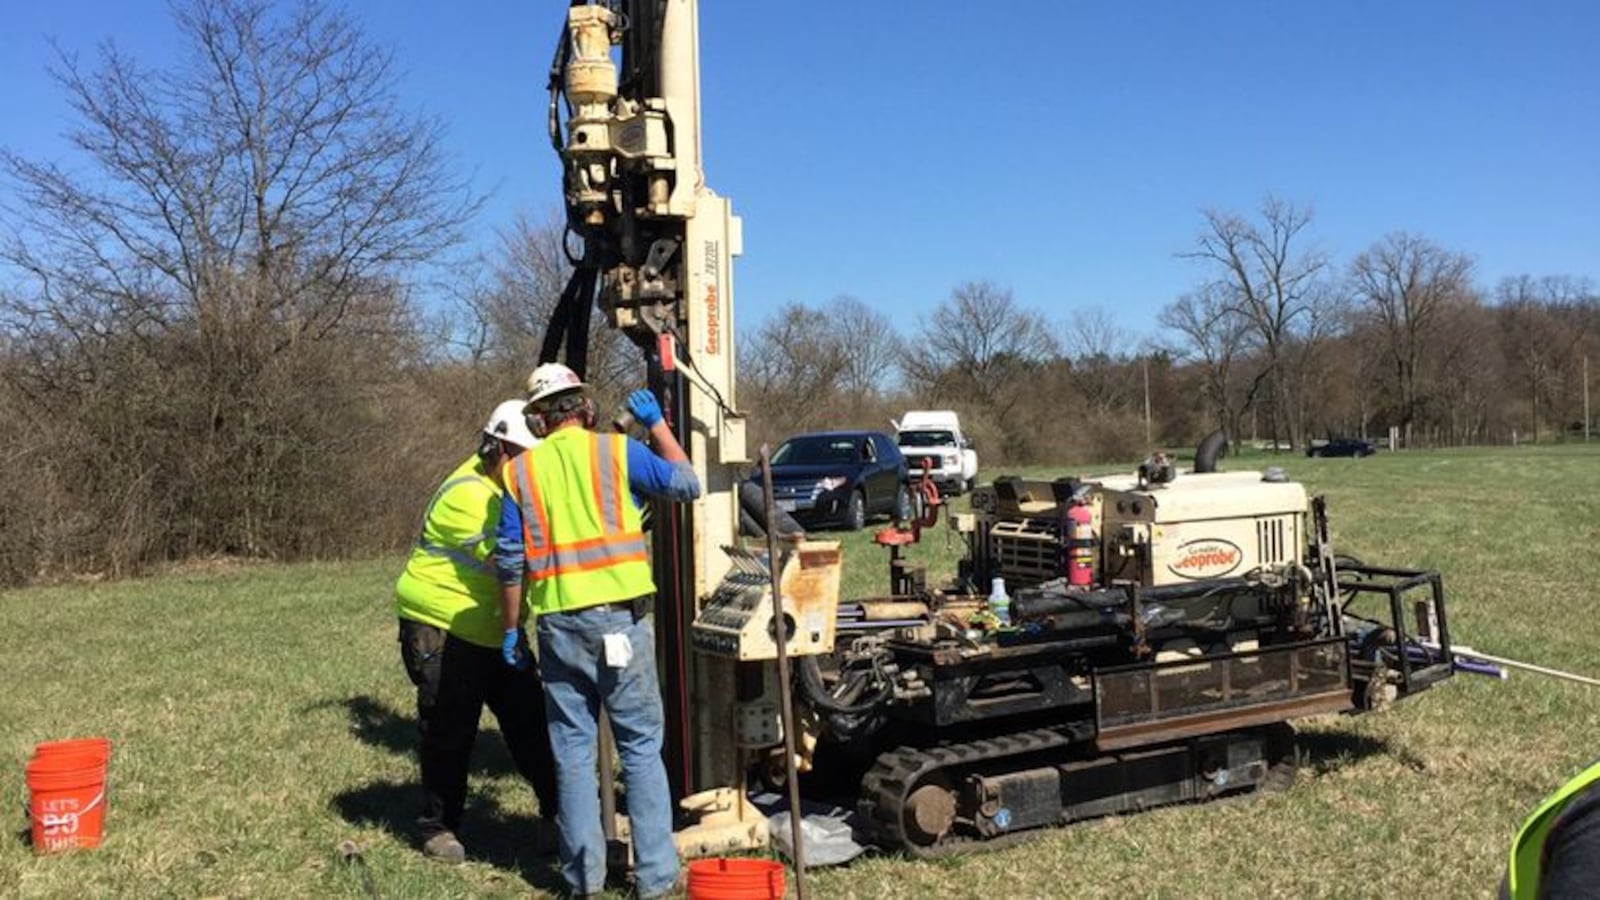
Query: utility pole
{"points": [[1149, 438]]}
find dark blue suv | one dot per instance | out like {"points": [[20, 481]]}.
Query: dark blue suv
{"points": [[1343, 447], [840, 477]]}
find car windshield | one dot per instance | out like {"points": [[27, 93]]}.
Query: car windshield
{"points": [[816, 449], [925, 438]]}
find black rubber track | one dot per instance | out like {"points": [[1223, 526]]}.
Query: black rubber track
{"points": [[897, 773], [889, 783]]}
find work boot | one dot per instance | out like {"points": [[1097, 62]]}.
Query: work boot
{"points": [[445, 848]]}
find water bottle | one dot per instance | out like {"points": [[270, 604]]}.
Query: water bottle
{"points": [[1000, 602]]}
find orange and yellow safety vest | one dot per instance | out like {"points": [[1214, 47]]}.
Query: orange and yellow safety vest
{"points": [[581, 531]]}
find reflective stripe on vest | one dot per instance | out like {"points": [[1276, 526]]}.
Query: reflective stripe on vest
{"points": [[1525, 869], [534, 527], [460, 555], [583, 539], [605, 471], [585, 555]]}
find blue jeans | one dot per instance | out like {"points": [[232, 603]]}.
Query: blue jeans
{"points": [[576, 681]]}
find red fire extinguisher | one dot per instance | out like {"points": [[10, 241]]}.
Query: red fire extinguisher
{"points": [[1080, 545]]}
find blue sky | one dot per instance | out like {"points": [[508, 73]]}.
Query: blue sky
{"points": [[893, 150]]}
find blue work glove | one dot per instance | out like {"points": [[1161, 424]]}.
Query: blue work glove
{"points": [[511, 649], [644, 407]]}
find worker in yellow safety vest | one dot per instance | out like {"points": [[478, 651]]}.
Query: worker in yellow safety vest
{"points": [[448, 602], [1557, 851], [573, 529]]}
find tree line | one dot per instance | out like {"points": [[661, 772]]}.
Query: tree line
{"points": [[1278, 343], [214, 340]]}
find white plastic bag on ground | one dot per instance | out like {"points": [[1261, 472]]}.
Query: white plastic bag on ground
{"points": [[827, 838]]}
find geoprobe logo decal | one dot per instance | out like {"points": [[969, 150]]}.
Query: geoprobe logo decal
{"points": [[1206, 558], [713, 266]]}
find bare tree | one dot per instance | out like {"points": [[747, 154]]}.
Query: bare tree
{"points": [[790, 372], [1102, 367], [1268, 277], [1406, 284], [271, 176], [1215, 335], [217, 290], [983, 353], [1471, 372], [979, 345], [527, 276], [868, 341], [1544, 327]]}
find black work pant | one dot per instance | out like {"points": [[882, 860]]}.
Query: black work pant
{"points": [[454, 679]]}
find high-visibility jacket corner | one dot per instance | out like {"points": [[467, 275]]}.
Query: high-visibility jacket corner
{"points": [[1524, 872]]}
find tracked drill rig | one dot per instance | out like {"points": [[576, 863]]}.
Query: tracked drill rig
{"points": [[1163, 626]]}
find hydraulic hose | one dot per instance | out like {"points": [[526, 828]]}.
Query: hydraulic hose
{"points": [[816, 692], [558, 74], [1213, 446], [569, 323], [752, 507]]}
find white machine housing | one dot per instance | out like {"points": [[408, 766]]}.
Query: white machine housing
{"points": [[1198, 527]]}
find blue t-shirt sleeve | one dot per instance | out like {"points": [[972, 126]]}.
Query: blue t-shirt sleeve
{"points": [[509, 553], [651, 475]]}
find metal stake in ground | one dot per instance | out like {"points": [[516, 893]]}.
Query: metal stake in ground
{"points": [[616, 848], [784, 699]]}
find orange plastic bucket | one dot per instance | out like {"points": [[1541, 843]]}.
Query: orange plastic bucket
{"points": [[67, 801], [97, 747], [735, 879], [81, 751]]}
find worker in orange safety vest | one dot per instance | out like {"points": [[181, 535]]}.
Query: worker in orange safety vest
{"points": [[573, 529]]}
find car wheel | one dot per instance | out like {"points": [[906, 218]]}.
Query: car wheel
{"points": [[855, 513], [902, 504], [1316, 454]]}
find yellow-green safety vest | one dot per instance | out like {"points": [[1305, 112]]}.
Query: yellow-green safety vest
{"points": [[581, 531], [449, 581], [1526, 867]]}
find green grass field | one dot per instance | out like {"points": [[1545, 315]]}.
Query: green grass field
{"points": [[260, 717]]}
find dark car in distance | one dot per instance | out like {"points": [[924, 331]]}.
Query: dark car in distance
{"points": [[1342, 447], [840, 477]]}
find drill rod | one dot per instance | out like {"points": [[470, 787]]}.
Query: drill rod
{"points": [[784, 697]]}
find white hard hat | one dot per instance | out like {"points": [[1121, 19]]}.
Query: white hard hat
{"points": [[509, 424], [551, 379]]}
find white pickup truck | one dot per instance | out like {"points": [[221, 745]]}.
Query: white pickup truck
{"points": [[935, 435]]}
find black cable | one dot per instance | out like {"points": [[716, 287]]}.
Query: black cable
{"points": [[688, 360], [816, 691], [555, 330], [573, 259], [641, 49], [569, 321], [558, 77]]}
